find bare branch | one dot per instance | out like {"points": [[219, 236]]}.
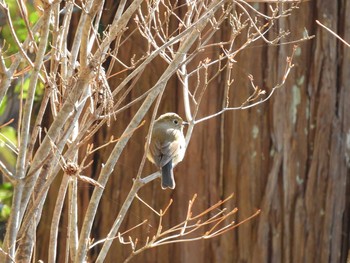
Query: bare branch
{"points": [[190, 229], [89, 84], [333, 33]]}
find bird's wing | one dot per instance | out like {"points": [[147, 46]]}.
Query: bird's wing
{"points": [[163, 152]]}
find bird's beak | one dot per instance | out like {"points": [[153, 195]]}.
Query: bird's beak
{"points": [[185, 123]]}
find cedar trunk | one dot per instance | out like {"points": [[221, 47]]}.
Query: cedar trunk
{"points": [[288, 157]]}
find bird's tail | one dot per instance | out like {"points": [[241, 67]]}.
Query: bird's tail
{"points": [[168, 180]]}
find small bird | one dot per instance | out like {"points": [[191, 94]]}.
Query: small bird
{"points": [[167, 146]]}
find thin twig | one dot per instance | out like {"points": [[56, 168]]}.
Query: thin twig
{"points": [[333, 33]]}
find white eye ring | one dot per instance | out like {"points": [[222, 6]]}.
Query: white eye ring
{"points": [[175, 122]]}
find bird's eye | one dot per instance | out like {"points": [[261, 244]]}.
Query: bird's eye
{"points": [[175, 122]]}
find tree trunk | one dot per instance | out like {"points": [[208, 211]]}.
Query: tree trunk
{"points": [[288, 157]]}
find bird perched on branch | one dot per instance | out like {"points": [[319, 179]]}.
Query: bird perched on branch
{"points": [[167, 146]]}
